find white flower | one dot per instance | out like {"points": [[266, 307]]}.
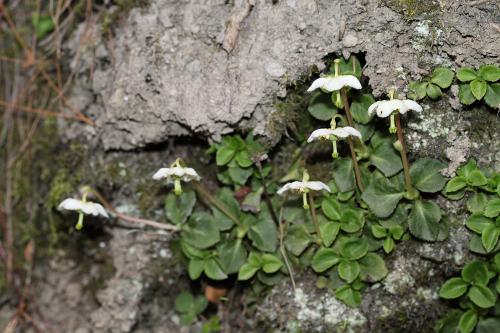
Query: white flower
{"points": [[176, 173], [334, 83], [303, 186], [85, 207], [340, 132], [385, 108]]}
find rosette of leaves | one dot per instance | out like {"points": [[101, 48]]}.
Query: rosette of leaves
{"points": [[189, 307], [441, 78], [235, 155], [477, 289], [350, 260], [483, 204], [384, 194], [479, 84]]}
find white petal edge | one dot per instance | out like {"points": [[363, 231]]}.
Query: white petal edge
{"points": [[317, 186], [320, 133], [318, 83], [344, 132], [89, 208], [411, 105], [291, 186]]}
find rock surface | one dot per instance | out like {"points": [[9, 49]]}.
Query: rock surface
{"points": [[166, 73]]}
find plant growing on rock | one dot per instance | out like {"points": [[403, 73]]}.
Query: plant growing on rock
{"points": [[83, 207]]}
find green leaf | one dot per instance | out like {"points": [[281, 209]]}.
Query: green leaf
{"points": [[468, 321], [442, 77], [476, 272], [195, 268], [489, 237], [477, 202], [354, 248], [243, 159], [351, 221], [240, 175], [425, 175], [252, 201], [200, 304], [418, 90], [378, 231], [343, 174], [478, 88], [466, 74], [492, 96], [264, 235], [348, 270], [329, 231], [478, 222], [324, 259], [453, 288], [42, 24], [359, 108], [489, 73], [224, 155], [385, 158], [349, 296], [449, 324], [297, 239], [331, 208], [382, 197], [213, 269], [476, 178], [232, 255], [270, 263], [388, 245], [482, 296], [184, 302], [492, 208], [488, 325], [433, 91], [455, 184], [321, 106], [423, 220], [465, 94], [178, 208], [247, 271], [187, 319], [201, 231], [372, 268]]}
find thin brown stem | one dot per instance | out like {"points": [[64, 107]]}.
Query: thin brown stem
{"points": [[403, 152], [133, 219], [203, 192], [357, 171], [355, 163], [312, 208]]}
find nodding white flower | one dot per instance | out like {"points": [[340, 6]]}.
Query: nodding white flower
{"points": [[175, 174], [387, 108], [304, 187], [334, 83], [333, 135], [82, 207], [339, 132], [171, 174]]}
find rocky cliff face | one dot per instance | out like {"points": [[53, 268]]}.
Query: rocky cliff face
{"points": [[207, 68]]}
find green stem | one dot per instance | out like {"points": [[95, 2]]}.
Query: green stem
{"points": [[267, 199], [335, 154], [315, 219], [282, 247], [304, 201], [203, 192], [79, 224], [177, 187]]}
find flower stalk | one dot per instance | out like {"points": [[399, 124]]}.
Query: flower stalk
{"points": [[314, 217]]}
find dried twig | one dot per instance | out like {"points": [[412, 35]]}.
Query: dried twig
{"points": [[234, 26]]}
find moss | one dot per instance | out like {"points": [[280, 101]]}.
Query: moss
{"points": [[412, 8]]}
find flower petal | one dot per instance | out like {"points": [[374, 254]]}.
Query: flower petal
{"points": [[70, 204], [317, 186], [296, 185], [162, 173], [411, 105], [344, 132], [372, 108], [320, 133], [318, 83]]}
